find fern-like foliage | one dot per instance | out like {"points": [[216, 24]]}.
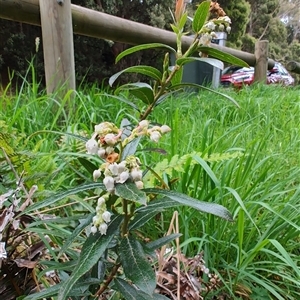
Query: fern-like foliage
{"points": [[178, 163]]}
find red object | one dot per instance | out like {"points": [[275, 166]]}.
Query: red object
{"points": [[239, 76]]}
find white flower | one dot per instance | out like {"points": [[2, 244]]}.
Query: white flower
{"points": [[139, 184], [103, 228], [109, 183], [136, 174], [210, 25], [123, 177], [96, 174], [106, 216], [101, 201], [205, 39], [101, 153], [144, 124], [91, 146], [110, 139], [113, 168], [227, 19], [221, 27], [155, 136], [93, 229], [109, 150], [165, 129], [122, 166], [228, 29]]}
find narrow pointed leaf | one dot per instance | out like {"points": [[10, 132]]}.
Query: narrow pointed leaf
{"points": [[143, 93], [162, 241], [198, 86], [225, 57], [143, 47], [131, 147], [200, 16], [211, 61], [121, 99], [91, 252], [129, 191], [182, 199], [76, 232], [62, 195], [141, 69], [89, 166], [142, 218], [141, 90], [136, 266], [129, 292]]}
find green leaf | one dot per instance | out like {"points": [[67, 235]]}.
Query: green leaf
{"points": [[130, 148], [136, 266], [90, 167], [162, 241], [141, 90], [177, 78], [225, 57], [62, 195], [145, 70], [198, 86], [129, 191], [121, 99], [78, 290], [87, 221], [200, 16], [211, 208], [143, 47], [142, 218], [91, 252], [212, 61], [129, 292]]}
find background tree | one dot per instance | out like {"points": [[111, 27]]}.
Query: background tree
{"points": [[239, 12]]}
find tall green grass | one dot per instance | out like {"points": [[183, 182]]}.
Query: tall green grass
{"points": [[258, 181]]}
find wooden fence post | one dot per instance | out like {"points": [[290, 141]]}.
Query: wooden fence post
{"points": [[57, 32], [261, 64]]}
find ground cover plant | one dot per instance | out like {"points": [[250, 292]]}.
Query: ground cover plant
{"points": [[263, 134], [243, 159]]}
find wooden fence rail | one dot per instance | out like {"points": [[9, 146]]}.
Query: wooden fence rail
{"points": [[100, 25]]}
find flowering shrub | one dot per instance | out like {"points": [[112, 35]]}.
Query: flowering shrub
{"points": [[123, 204]]}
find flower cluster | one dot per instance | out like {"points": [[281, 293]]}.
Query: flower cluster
{"points": [[143, 129], [107, 143], [103, 141], [209, 29], [128, 169], [102, 217]]}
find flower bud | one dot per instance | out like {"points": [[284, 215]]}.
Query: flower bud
{"points": [[101, 153], [93, 229], [106, 216], [109, 183], [110, 139], [103, 228], [91, 146], [96, 174], [113, 169], [144, 124], [155, 136], [123, 177], [101, 201], [139, 184], [136, 174], [165, 129]]}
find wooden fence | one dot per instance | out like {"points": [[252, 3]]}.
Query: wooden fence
{"points": [[58, 17]]}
